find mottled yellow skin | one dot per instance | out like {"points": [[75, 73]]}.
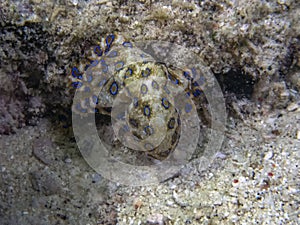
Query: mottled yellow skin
{"points": [[125, 74]]}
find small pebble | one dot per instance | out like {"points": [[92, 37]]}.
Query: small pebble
{"points": [[42, 149], [96, 177], [68, 160], [292, 107], [268, 155], [45, 182], [157, 219], [298, 135]]}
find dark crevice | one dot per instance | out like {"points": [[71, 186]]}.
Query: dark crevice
{"points": [[237, 83]]}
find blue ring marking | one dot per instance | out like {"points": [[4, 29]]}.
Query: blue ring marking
{"points": [[94, 63], [171, 123], [86, 67], [79, 77], [103, 63], [127, 44], [121, 116], [197, 93], [96, 110], [75, 72], [77, 84], [109, 39], [188, 107], [79, 107], [201, 80], [166, 90], [112, 54], [146, 72], [107, 49], [113, 88], [195, 84], [98, 51], [187, 75], [87, 89], [89, 78], [95, 99], [144, 89], [119, 65], [87, 102], [125, 128], [105, 69], [173, 79], [194, 72], [128, 73], [147, 110], [155, 85], [148, 130], [187, 94], [165, 103], [135, 102], [102, 82]]}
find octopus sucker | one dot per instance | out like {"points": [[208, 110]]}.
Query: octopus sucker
{"points": [[114, 73]]}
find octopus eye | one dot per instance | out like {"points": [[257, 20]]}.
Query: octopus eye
{"points": [[119, 65], [144, 89], [147, 110], [165, 103], [114, 88], [146, 72], [148, 130], [171, 123], [98, 51], [127, 44], [128, 73], [188, 107], [155, 85], [77, 84]]}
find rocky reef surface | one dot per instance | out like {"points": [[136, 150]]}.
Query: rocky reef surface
{"points": [[252, 47]]}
